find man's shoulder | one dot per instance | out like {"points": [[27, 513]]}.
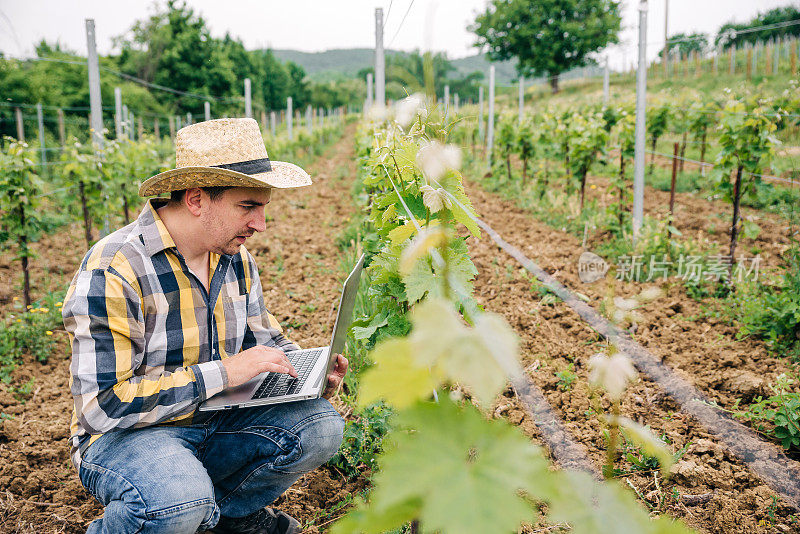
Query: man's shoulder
{"points": [[116, 251]]}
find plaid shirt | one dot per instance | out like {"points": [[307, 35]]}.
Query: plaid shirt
{"points": [[147, 338]]}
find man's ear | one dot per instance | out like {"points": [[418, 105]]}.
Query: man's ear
{"points": [[193, 200]]}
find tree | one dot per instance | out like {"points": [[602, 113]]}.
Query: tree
{"points": [[683, 43], [727, 34], [408, 70], [548, 37], [746, 144]]}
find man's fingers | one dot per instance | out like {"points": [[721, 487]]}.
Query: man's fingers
{"points": [[280, 368], [341, 365]]}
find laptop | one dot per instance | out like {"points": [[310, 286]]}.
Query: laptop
{"points": [[312, 365]]}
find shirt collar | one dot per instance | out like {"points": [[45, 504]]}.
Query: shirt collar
{"points": [[154, 232], [156, 237]]}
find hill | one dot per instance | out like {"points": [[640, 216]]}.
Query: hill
{"points": [[346, 62]]}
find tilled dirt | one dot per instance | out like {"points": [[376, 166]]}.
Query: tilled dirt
{"points": [[301, 276], [702, 350]]}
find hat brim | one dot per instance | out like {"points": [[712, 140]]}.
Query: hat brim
{"points": [[283, 175]]}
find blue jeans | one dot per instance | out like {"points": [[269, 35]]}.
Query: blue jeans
{"points": [[180, 479]]}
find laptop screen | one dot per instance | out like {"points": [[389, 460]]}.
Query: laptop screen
{"points": [[345, 315]]}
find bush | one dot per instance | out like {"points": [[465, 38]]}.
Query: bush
{"points": [[771, 311], [777, 416], [29, 331], [362, 441]]}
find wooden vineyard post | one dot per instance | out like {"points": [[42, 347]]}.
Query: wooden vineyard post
{"points": [[732, 60], [749, 64], [697, 69], [737, 184], [62, 133], [140, 128], [172, 128], [793, 62], [768, 63], [156, 129], [672, 184], [43, 147]]}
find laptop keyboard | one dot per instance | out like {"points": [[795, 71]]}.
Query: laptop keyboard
{"points": [[279, 384]]}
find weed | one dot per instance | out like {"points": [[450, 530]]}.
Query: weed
{"points": [[362, 441], [29, 330], [770, 308], [22, 392], [566, 378], [279, 263], [777, 416]]}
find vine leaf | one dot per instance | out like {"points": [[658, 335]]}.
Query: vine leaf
{"points": [[462, 354], [420, 280], [486, 464], [401, 233], [651, 445], [452, 184], [395, 376], [428, 238], [590, 507]]}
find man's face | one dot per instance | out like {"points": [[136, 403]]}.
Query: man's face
{"points": [[233, 217]]}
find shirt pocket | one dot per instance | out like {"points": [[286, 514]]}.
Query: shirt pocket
{"points": [[234, 308]]}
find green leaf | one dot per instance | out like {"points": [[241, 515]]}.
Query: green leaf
{"points": [[396, 376], [463, 472], [750, 229], [401, 233], [500, 340], [364, 520], [420, 281], [590, 507], [651, 445], [365, 332], [470, 363], [452, 184]]}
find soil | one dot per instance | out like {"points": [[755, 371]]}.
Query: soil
{"points": [[703, 350], [301, 276]]}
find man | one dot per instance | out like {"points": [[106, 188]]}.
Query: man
{"points": [[163, 314]]}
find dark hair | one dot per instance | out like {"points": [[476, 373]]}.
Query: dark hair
{"points": [[213, 193]]}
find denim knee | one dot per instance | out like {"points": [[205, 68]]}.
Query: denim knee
{"points": [[160, 507], [319, 438]]}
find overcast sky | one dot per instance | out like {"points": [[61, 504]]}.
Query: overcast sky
{"points": [[313, 25]]}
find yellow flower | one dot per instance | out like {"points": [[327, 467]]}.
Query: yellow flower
{"points": [[49, 332], [19, 320], [15, 299], [592, 186], [59, 303], [29, 306], [44, 310]]}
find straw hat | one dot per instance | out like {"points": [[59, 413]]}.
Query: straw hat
{"points": [[223, 152]]}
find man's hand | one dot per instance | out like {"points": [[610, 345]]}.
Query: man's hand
{"points": [[255, 360], [336, 377]]}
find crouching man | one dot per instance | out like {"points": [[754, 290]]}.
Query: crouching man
{"points": [[163, 314]]}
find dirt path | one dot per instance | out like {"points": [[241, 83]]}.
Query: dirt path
{"points": [[703, 351], [298, 260]]}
